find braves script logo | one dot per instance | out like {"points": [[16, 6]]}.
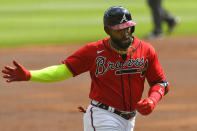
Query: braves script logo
{"points": [[121, 68]]}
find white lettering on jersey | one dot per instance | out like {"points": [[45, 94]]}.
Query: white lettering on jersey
{"points": [[121, 68]]}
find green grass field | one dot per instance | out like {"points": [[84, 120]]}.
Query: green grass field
{"points": [[24, 22]]}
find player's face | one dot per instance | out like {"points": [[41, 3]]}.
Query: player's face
{"points": [[122, 38]]}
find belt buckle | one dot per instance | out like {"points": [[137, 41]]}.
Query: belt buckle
{"points": [[128, 116], [131, 115]]}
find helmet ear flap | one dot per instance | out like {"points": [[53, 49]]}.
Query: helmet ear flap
{"points": [[132, 29]]}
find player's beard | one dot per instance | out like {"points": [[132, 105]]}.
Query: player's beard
{"points": [[119, 44]]}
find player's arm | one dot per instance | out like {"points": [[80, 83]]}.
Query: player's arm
{"points": [[51, 74], [158, 85], [156, 92], [48, 74]]}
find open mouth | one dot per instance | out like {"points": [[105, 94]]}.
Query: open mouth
{"points": [[125, 41]]}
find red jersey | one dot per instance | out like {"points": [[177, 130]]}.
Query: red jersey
{"points": [[116, 82]]}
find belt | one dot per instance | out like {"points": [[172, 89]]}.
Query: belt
{"points": [[123, 114]]}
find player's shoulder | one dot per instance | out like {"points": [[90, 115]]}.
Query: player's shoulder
{"points": [[90, 49], [97, 44], [144, 44]]}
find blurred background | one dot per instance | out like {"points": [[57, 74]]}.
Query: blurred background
{"points": [[24, 22]]}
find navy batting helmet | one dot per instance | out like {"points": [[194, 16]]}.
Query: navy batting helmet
{"points": [[118, 18]]}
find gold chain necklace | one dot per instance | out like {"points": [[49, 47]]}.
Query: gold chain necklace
{"points": [[121, 51]]}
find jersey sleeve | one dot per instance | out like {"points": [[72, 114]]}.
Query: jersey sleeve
{"points": [[155, 72], [80, 61]]}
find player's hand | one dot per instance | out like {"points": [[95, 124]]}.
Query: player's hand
{"points": [[146, 106], [17, 73]]}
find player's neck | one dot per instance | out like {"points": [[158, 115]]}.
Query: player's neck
{"points": [[116, 48]]}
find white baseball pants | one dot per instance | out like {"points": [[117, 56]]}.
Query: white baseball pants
{"points": [[97, 119]]}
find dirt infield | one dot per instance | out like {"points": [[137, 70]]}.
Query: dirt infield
{"points": [[28, 106]]}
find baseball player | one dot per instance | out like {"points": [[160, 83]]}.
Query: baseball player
{"points": [[118, 66]]}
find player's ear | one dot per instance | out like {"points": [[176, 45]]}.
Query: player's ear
{"points": [[107, 30]]}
